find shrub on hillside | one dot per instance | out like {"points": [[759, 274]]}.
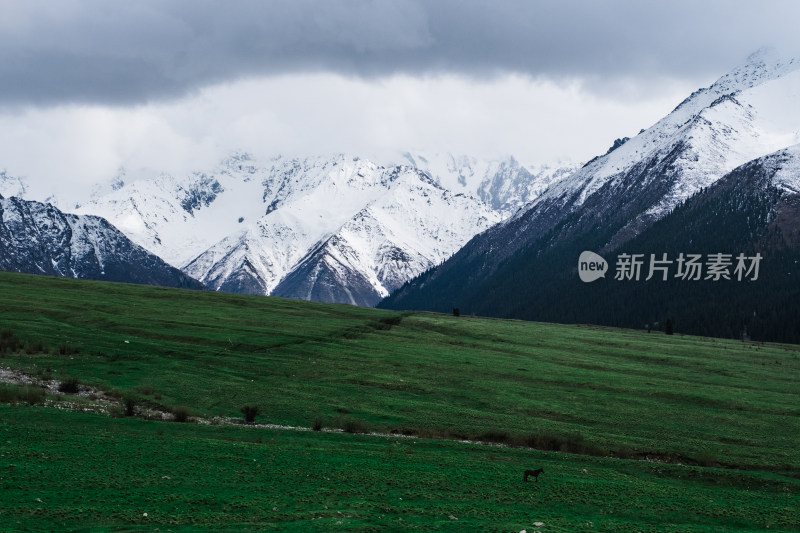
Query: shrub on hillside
{"points": [[69, 386], [9, 342], [494, 435], [65, 349], [33, 395], [145, 390], [181, 414], [8, 393], [33, 347], [30, 394], [574, 443], [353, 425], [130, 405], [250, 412]]}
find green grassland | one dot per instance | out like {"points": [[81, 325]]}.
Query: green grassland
{"points": [[94, 472], [666, 432]]}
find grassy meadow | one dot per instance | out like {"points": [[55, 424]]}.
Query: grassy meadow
{"points": [[635, 431]]}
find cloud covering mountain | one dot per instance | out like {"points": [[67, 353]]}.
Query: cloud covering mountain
{"points": [[92, 86]]}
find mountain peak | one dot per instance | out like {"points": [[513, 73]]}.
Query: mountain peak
{"points": [[763, 65], [238, 162], [763, 56], [787, 176], [38, 238]]}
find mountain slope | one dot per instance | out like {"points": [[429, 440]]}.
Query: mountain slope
{"points": [[249, 227], [746, 114], [39, 239], [179, 218], [385, 227], [753, 210], [303, 202], [413, 227]]}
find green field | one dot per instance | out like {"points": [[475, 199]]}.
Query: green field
{"points": [[635, 431]]}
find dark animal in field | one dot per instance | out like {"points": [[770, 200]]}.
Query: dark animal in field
{"points": [[534, 473]]}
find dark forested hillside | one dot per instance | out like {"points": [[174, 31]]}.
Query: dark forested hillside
{"points": [[745, 213], [40, 239]]}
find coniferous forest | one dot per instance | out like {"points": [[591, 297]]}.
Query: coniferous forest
{"points": [[741, 214]]}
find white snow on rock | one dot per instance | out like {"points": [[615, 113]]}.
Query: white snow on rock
{"points": [[11, 185], [245, 225], [248, 225], [788, 177], [506, 184], [750, 112]]}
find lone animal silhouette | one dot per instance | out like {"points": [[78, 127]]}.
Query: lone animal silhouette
{"points": [[534, 473]]}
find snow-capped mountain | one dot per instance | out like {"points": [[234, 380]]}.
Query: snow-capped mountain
{"points": [[750, 112], [337, 228], [505, 184], [352, 212], [747, 113], [785, 167], [180, 218], [37, 238], [416, 225], [754, 210], [12, 185]]}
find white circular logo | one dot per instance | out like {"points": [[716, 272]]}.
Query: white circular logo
{"points": [[591, 267]]}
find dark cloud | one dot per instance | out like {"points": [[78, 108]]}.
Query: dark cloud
{"points": [[96, 51]]}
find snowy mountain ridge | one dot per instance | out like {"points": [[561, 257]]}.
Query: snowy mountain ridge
{"points": [[745, 116], [341, 228], [784, 167], [504, 184], [247, 226], [740, 117], [160, 213], [11, 185], [413, 227], [38, 238]]}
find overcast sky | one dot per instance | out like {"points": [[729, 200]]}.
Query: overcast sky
{"points": [[88, 86]]}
